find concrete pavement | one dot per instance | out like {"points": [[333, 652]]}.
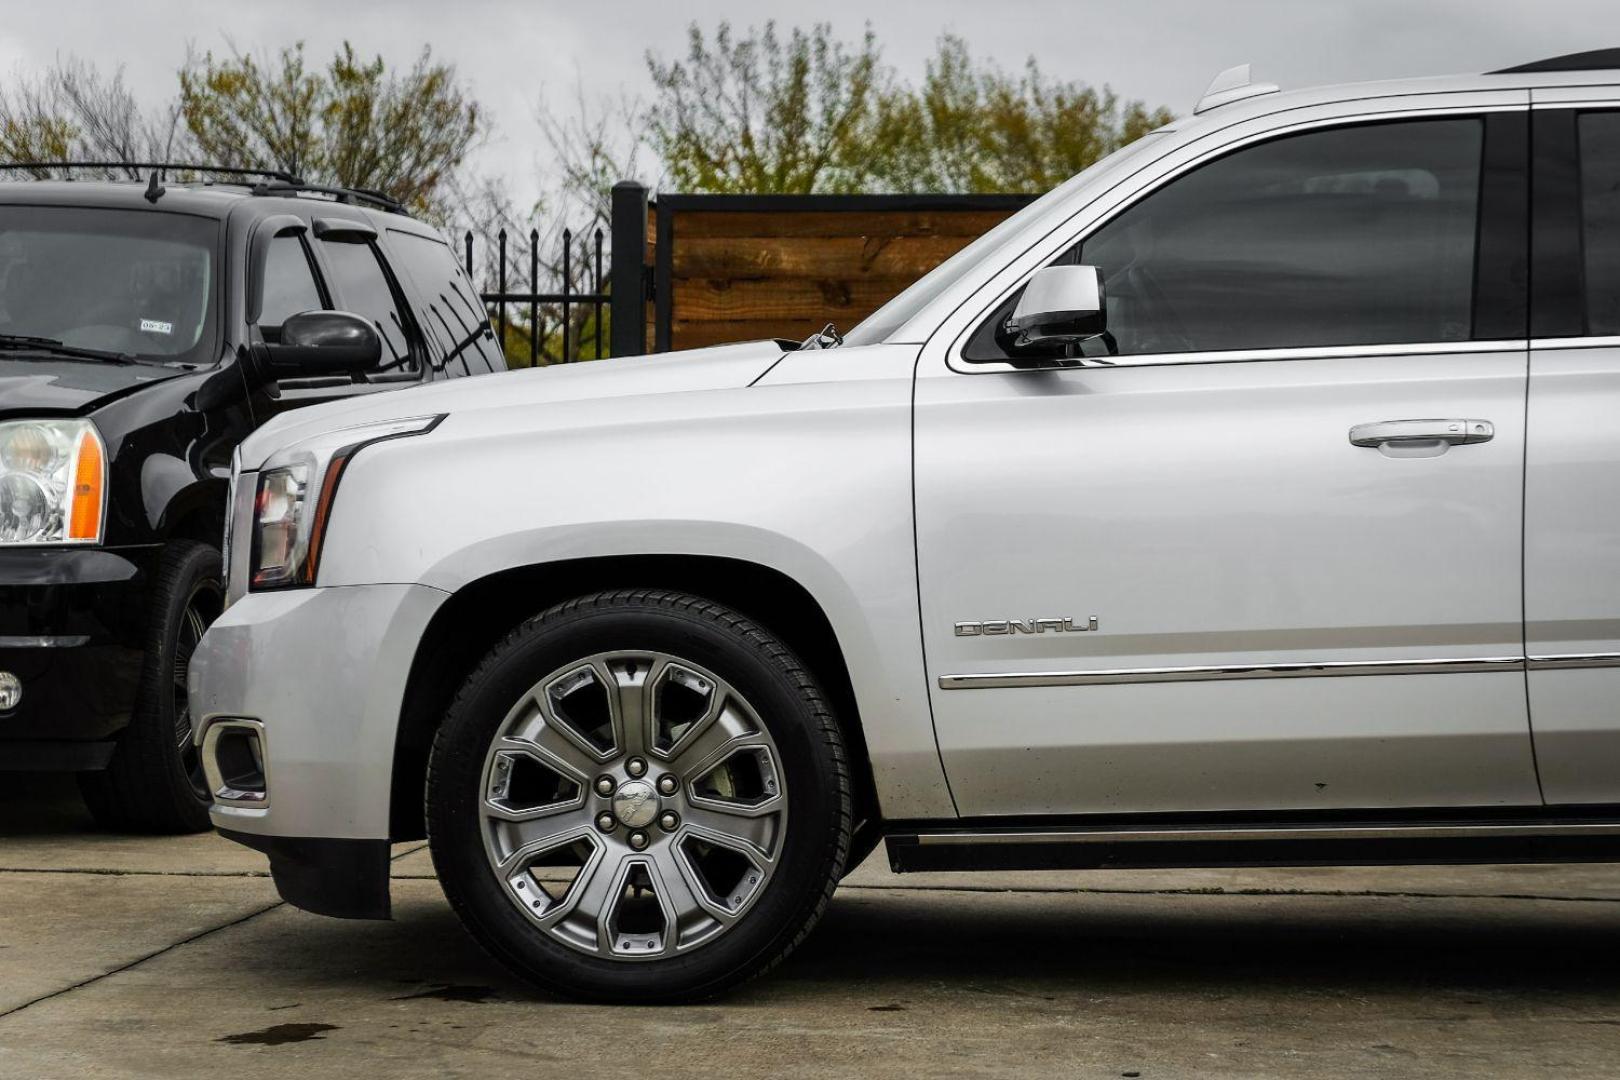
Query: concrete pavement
{"points": [[172, 958]]}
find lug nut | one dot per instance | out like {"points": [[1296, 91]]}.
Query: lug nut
{"points": [[669, 821], [605, 822], [604, 786], [667, 784], [635, 766], [638, 840]]}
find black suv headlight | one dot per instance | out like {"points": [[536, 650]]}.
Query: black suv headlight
{"points": [[296, 489], [53, 482]]}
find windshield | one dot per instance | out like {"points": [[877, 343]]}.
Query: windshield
{"points": [[120, 281], [897, 312]]}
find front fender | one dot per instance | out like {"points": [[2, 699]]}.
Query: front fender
{"points": [[812, 480]]}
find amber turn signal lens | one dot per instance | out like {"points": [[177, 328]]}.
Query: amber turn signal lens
{"points": [[89, 489]]}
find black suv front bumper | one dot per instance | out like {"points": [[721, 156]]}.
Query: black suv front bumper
{"points": [[72, 625]]}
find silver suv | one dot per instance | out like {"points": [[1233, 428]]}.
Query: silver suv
{"points": [[1252, 498]]}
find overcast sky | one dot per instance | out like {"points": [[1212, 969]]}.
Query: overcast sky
{"points": [[1164, 51]]}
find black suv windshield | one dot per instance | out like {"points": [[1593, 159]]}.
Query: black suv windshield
{"points": [[139, 283]]}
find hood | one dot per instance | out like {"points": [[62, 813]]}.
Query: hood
{"points": [[724, 367], [57, 387]]}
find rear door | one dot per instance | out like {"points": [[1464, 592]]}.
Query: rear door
{"points": [[1572, 474]]}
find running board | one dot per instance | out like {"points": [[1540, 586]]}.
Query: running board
{"points": [[1365, 843]]}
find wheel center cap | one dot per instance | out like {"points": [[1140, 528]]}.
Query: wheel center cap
{"points": [[635, 803]]}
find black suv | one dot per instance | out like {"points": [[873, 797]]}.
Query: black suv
{"points": [[145, 329]]}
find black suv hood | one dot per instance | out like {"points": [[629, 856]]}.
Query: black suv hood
{"points": [[70, 386]]}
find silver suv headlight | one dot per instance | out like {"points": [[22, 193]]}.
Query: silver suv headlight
{"points": [[53, 482], [296, 489]]}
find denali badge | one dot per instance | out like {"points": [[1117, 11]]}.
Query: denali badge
{"points": [[1024, 626]]}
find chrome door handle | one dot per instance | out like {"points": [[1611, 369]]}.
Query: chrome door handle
{"points": [[1398, 432]]}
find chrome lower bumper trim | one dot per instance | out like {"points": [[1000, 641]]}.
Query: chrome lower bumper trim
{"points": [[1247, 671]]}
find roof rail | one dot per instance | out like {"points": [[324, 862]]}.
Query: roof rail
{"points": [[158, 167], [270, 181], [1591, 60], [357, 196], [1233, 84]]}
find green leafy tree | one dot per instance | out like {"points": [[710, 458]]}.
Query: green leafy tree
{"points": [[766, 113], [763, 113], [973, 127], [355, 123]]}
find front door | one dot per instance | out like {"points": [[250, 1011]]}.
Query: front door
{"points": [[1263, 550]]}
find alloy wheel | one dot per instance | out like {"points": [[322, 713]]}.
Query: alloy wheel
{"points": [[632, 805]]}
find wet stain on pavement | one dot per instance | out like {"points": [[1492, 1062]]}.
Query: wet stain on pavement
{"points": [[280, 1035], [473, 995]]}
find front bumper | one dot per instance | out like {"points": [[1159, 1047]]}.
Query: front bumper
{"points": [[72, 625], [322, 671]]}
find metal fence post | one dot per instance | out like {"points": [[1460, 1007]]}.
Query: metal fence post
{"points": [[627, 281]]}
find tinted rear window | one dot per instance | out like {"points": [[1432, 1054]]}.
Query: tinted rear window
{"points": [[453, 316]]}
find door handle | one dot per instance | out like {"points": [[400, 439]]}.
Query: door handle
{"points": [[1407, 432]]}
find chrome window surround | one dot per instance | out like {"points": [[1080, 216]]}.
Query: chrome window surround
{"points": [[1308, 670], [953, 354]]}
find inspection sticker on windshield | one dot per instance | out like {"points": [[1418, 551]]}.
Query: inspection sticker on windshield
{"points": [[155, 326]]}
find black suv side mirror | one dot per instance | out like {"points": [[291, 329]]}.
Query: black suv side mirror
{"points": [[315, 343]]}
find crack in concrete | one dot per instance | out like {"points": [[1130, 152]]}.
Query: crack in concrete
{"points": [[81, 984], [171, 947]]}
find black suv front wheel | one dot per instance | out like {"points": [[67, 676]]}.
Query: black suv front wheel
{"points": [[154, 782]]}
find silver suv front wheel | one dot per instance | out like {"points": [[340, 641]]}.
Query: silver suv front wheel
{"points": [[639, 796]]}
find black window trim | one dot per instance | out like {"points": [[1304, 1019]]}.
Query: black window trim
{"points": [[1507, 196]]}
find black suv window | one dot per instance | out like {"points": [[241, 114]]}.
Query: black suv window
{"points": [[1599, 141], [1349, 236], [141, 282], [363, 288], [452, 314], [289, 284]]}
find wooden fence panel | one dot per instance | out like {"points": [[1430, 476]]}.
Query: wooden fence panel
{"points": [[730, 268]]}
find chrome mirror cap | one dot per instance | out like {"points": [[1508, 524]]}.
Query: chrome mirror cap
{"points": [[1061, 305]]}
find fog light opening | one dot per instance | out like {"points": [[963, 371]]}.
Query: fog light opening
{"points": [[233, 758]]}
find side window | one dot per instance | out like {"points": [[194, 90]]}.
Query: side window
{"points": [[363, 288], [1598, 136], [453, 317], [1350, 236], [289, 284]]}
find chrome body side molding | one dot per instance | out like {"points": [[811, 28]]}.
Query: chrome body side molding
{"points": [[1307, 670], [1457, 830]]}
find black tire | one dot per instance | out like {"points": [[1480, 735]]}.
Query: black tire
{"points": [[788, 702], [153, 784]]}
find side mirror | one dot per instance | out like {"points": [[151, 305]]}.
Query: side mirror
{"points": [[1061, 306], [315, 343]]}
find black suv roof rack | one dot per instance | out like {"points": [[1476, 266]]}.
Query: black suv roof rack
{"points": [[270, 181], [159, 167], [1591, 60], [359, 196]]}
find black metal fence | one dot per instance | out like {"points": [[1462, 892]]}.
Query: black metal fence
{"points": [[536, 326]]}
